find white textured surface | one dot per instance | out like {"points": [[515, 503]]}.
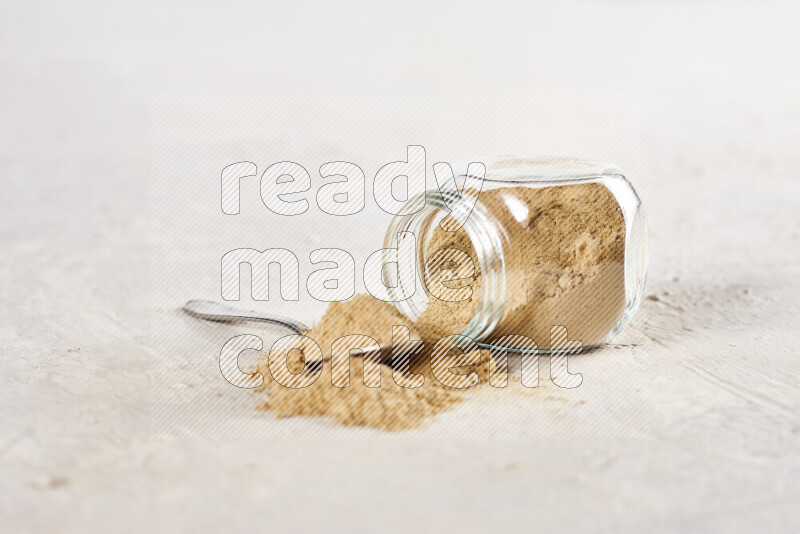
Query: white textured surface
{"points": [[717, 338]]}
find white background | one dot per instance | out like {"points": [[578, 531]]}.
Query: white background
{"points": [[716, 338]]}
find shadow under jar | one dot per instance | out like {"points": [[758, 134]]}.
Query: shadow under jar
{"points": [[550, 242]]}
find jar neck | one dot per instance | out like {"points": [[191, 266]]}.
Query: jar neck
{"points": [[488, 239]]}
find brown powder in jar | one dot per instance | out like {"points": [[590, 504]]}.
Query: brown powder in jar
{"points": [[564, 266]]}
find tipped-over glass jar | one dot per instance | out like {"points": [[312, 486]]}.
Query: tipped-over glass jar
{"points": [[549, 242]]}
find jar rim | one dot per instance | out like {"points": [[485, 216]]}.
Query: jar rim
{"points": [[525, 169], [487, 241]]}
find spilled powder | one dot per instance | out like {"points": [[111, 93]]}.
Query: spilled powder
{"points": [[564, 266], [387, 407], [362, 316]]}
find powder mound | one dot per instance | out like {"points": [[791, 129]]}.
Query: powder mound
{"points": [[297, 390], [363, 321], [363, 315], [389, 406]]}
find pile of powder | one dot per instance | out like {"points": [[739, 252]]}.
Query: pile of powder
{"points": [[364, 317], [564, 266], [388, 407], [363, 321]]}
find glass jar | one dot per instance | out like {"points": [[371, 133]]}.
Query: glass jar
{"points": [[549, 242]]}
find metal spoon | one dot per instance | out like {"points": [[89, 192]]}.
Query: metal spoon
{"points": [[222, 313]]}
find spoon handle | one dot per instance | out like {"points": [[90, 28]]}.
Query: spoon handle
{"points": [[214, 311]]}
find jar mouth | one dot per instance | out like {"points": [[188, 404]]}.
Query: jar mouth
{"points": [[487, 241]]}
